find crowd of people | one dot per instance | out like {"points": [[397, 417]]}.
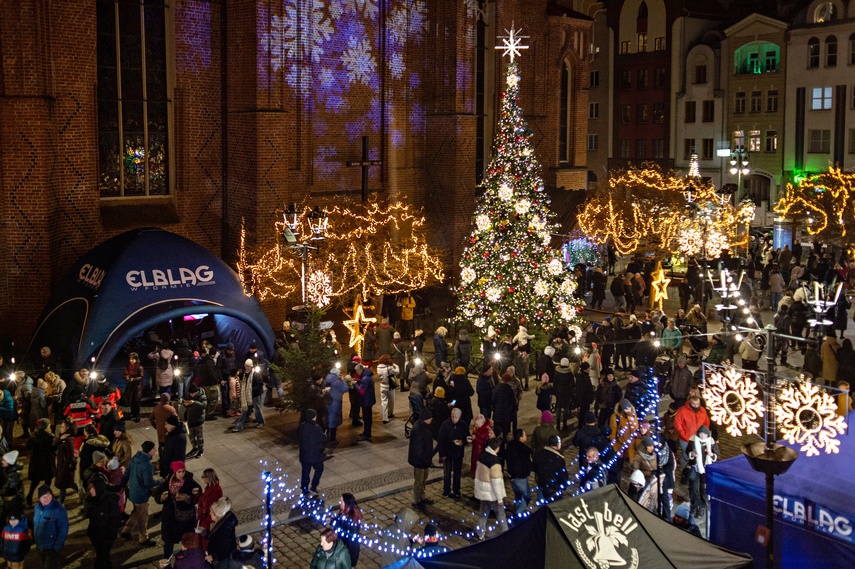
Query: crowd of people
{"points": [[74, 435]]}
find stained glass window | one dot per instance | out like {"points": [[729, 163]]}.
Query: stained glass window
{"points": [[133, 99]]}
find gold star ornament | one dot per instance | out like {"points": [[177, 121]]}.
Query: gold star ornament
{"points": [[357, 324], [659, 288]]}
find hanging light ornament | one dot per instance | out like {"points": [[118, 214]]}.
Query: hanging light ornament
{"points": [[733, 400], [807, 416]]}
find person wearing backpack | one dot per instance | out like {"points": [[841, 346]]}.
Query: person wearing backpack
{"points": [[164, 372]]}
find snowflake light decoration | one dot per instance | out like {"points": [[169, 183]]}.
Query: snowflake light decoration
{"points": [[691, 241], [732, 397], [319, 288], [808, 416]]}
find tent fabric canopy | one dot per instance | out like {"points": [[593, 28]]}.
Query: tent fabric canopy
{"points": [[134, 281], [814, 508], [595, 530]]}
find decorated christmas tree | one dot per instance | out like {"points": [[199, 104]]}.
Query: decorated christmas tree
{"points": [[509, 272]]}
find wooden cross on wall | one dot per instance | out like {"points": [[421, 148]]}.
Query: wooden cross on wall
{"points": [[364, 163]]}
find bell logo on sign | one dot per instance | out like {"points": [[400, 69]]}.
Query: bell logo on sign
{"points": [[158, 279], [606, 544]]}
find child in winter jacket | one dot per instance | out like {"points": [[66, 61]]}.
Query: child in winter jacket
{"points": [[16, 541]]}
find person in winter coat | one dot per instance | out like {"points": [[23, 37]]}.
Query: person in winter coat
{"points": [[115, 475], [50, 528], [420, 456], [623, 426], [636, 392], [55, 393], [462, 392], [598, 295], [584, 392], [681, 381], [332, 552], [703, 451], [481, 433], [102, 510], [522, 350], [161, 412], [16, 541], [140, 482], [544, 391], [42, 458], [440, 410], [440, 346], [504, 404], [386, 371], [518, 461], [828, 353], [133, 375], [12, 491], [398, 540], [66, 459], [38, 404], [123, 444], [367, 396], [587, 436], [336, 386], [688, 419], [212, 492], [608, 395], [174, 447], [178, 493], [384, 337], [369, 345], [462, 350], [251, 391], [348, 524], [23, 390], [221, 538], [91, 444], [564, 389], [8, 415], [192, 554], [452, 440], [164, 373], [484, 389], [550, 470], [195, 405], [312, 443], [490, 487]]}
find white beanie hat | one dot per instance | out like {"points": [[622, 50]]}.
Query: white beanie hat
{"points": [[637, 477], [11, 457], [248, 363], [549, 351]]}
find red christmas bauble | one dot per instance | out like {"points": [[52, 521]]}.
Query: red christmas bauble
{"points": [[483, 294], [513, 253], [472, 240], [501, 228], [499, 277], [486, 254], [511, 289], [522, 320]]}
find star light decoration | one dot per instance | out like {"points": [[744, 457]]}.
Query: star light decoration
{"points": [[357, 324], [512, 43], [319, 288], [659, 288], [733, 399], [807, 416]]}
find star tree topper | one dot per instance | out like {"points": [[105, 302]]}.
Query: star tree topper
{"points": [[511, 43], [355, 324]]}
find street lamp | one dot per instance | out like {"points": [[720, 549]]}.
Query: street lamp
{"points": [[318, 221], [739, 167]]}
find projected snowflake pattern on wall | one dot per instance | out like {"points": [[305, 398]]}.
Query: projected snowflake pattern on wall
{"points": [[329, 51]]}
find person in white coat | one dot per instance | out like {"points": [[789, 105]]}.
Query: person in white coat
{"points": [[387, 370], [490, 487]]}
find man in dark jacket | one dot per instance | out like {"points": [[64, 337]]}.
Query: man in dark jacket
{"points": [[462, 392], [50, 528], [545, 365], [209, 375], [102, 509], [453, 435], [484, 389], [609, 394], [565, 388], [550, 470], [505, 404], [420, 456], [636, 393], [312, 443], [108, 420], [589, 435], [228, 364], [518, 462], [367, 398], [175, 445], [140, 482], [195, 403], [681, 381]]}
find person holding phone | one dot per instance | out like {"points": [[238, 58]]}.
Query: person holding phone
{"points": [[453, 438]]}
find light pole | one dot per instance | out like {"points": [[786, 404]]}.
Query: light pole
{"points": [[318, 221], [739, 167]]}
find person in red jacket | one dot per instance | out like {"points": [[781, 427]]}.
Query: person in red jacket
{"points": [[687, 421]]}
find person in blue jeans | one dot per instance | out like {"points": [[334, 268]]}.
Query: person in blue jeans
{"points": [[50, 528], [251, 390], [518, 460]]}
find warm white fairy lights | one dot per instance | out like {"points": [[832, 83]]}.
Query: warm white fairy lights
{"points": [[807, 416]]}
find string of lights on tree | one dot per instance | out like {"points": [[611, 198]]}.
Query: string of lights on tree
{"points": [[644, 208], [370, 249], [509, 271], [823, 204]]}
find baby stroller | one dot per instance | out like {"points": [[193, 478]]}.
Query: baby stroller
{"points": [[698, 342]]}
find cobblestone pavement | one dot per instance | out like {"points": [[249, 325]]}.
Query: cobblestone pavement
{"points": [[377, 473]]}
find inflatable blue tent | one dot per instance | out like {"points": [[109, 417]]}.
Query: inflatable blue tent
{"points": [[135, 281], [814, 506]]}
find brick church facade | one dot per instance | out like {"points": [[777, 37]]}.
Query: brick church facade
{"points": [[195, 116]]}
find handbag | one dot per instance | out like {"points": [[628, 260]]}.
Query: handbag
{"points": [[393, 383], [182, 515]]}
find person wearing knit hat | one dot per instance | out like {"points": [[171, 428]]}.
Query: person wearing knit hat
{"points": [[460, 370], [608, 396], [683, 519], [543, 431], [42, 467], [702, 451], [174, 446], [10, 458], [420, 455], [623, 426], [178, 493], [247, 555]]}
